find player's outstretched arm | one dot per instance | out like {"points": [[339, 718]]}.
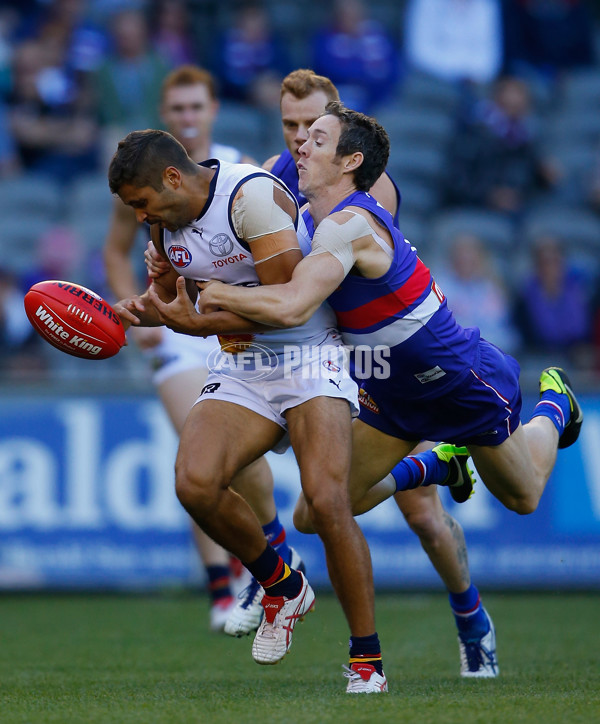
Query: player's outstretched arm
{"points": [[279, 305], [117, 251], [180, 314]]}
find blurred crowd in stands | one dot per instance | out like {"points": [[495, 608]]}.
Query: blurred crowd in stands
{"points": [[492, 107]]}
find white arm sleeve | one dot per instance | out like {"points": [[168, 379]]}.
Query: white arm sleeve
{"points": [[337, 238], [256, 213]]}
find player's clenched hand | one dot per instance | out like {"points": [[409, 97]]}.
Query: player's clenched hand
{"points": [[179, 315], [155, 263], [210, 296]]}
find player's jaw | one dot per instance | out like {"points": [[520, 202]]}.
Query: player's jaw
{"points": [[305, 177]]}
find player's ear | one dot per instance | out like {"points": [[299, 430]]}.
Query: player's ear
{"points": [[354, 161], [172, 177]]}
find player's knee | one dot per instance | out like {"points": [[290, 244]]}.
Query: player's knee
{"points": [[327, 505], [426, 524], [522, 505], [302, 522], [195, 491]]}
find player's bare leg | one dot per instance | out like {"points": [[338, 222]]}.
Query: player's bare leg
{"points": [[321, 435], [178, 394], [226, 576], [517, 471], [443, 540], [320, 431], [218, 440], [374, 454], [255, 484], [440, 535]]}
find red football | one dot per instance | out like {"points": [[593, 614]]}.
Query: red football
{"points": [[74, 319]]}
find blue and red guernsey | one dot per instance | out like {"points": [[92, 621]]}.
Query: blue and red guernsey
{"points": [[285, 169], [404, 316]]}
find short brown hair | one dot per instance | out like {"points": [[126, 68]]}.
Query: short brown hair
{"points": [[362, 133], [301, 83], [186, 75], [142, 156]]}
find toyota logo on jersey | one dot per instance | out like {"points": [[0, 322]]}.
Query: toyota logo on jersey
{"points": [[220, 245], [180, 257]]}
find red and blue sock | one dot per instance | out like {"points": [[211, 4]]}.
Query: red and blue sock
{"points": [[218, 584], [275, 535], [556, 407], [471, 621], [422, 469]]}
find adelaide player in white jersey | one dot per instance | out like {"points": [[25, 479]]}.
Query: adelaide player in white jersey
{"points": [[262, 386], [189, 107]]}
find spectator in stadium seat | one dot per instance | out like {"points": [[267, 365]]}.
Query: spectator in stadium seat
{"points": [[251, 59], [358, 54], [128, 82], [9, 159], [19, 344], [478, 296], [493, 158], [596, 329], [50, 115], [554, 310], [456, 40], [172, 32], [592, 182], [545, 38]]}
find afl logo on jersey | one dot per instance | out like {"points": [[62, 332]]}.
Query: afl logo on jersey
{"points": [[180, 257], [220, 245]]}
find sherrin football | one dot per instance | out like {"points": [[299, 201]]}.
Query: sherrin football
{"points": [[74, 319]]}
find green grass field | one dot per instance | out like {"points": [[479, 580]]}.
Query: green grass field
{"points": [[151, 659]]}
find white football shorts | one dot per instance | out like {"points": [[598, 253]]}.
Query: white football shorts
{"points": [[178, 353], [307, 372]]}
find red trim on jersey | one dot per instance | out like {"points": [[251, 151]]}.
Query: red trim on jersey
{"points": [[388, 305]]}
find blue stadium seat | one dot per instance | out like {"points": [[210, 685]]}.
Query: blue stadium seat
{"points": [[405, 124], [427, 91], [30, 195], [90, 197], [419, 196], [243, 127], [20, 239], [579, 228], [571, 126], [581, 89], [496, 230], [418, 161]]}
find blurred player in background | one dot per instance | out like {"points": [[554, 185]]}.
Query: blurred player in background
{"points": [[189, 107]]}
